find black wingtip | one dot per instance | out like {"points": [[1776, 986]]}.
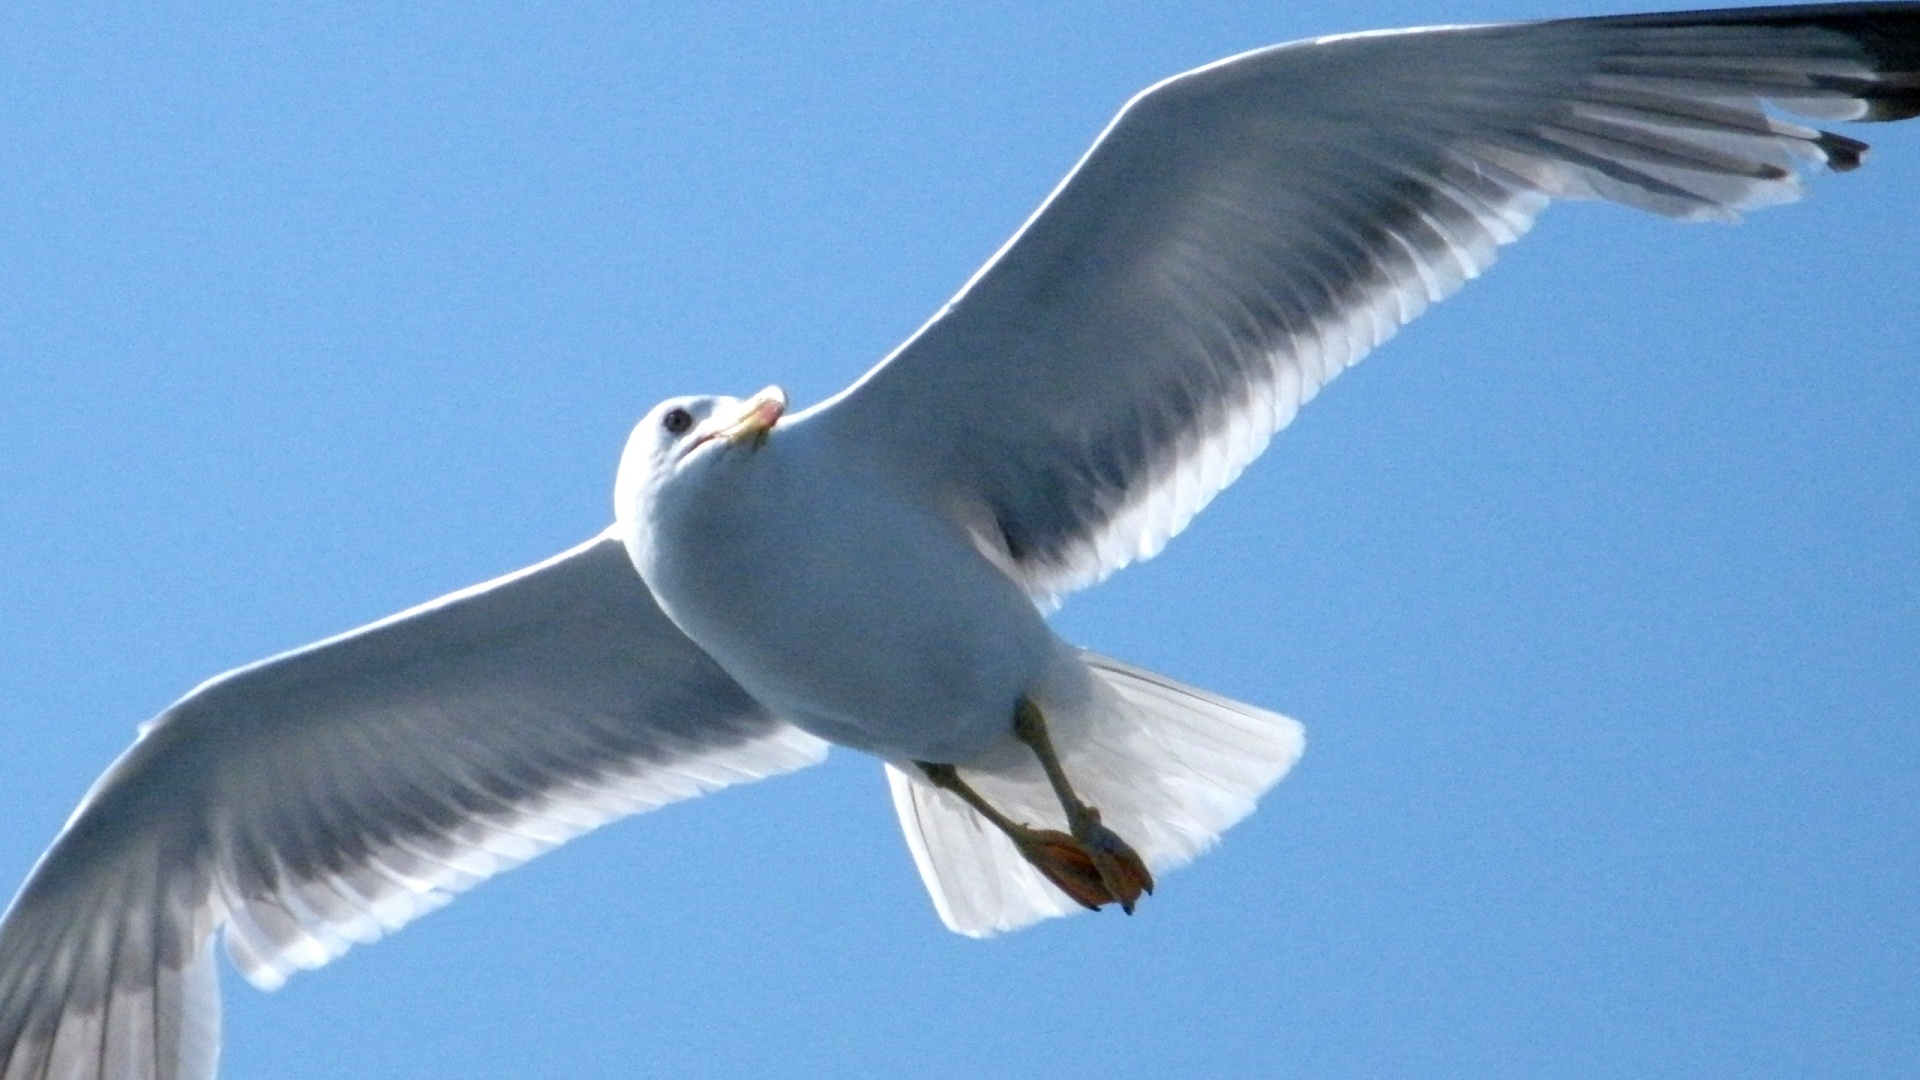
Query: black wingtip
{"points": [[1890, 36], [1901, 103], [1887, 33], [1843, 154]]}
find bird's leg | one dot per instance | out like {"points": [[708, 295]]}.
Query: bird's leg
{"points": [[1062, 859], [1122, 872]]}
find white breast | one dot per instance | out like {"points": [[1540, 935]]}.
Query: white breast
{"points": [[861, 617]]}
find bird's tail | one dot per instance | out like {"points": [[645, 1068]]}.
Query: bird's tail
{"points": [[1168, 766]]}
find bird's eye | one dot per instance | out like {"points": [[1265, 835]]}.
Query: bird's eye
{"points": [[677, 421]]}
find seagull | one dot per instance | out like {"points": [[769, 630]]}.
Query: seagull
{"points": [[875, 571]]}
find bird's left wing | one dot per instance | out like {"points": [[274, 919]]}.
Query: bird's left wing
{"points": [[327, 796], [1244, 232]]}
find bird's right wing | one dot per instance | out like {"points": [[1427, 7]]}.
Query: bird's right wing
{"points": [[1243, 233], [326, 796]]}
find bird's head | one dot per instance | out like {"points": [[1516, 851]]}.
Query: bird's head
{"points": [[691, 434]]}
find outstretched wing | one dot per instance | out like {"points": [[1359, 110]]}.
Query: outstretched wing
{"points": [[327, 796], [1244, 232]]}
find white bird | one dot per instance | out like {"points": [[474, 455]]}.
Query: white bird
{"points": [[873, 572]]}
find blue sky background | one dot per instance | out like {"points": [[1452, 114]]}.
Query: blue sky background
{"points": [[1598, 589]]}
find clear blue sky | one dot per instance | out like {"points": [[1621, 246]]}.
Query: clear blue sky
{"points": [[1598, 590]]}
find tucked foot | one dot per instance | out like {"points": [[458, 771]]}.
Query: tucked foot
{"points": [[1123, 874], [1073, 868], [1092, 865]]}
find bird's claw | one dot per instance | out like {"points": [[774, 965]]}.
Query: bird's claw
{"points": [[1093, 871], [1123, 873], [1068, 864]]}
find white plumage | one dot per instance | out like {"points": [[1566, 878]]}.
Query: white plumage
{"points": [[1172, 766], [1239, 236]]}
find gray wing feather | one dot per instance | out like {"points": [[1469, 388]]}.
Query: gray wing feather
{"points": [[1243, 233], [329, 795]]}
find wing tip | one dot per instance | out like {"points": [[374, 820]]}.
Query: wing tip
{"points": [[1842, 153]]}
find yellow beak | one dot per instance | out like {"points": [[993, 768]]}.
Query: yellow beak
{"points": [[757, 416]]}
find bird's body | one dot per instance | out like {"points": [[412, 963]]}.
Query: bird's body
{"points": [[873, 571], [888, 632]]}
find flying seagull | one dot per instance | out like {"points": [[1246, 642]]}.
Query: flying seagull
{"points": [[874, 571]]}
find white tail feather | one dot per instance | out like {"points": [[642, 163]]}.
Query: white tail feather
{"points": [[1168, 766]]}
